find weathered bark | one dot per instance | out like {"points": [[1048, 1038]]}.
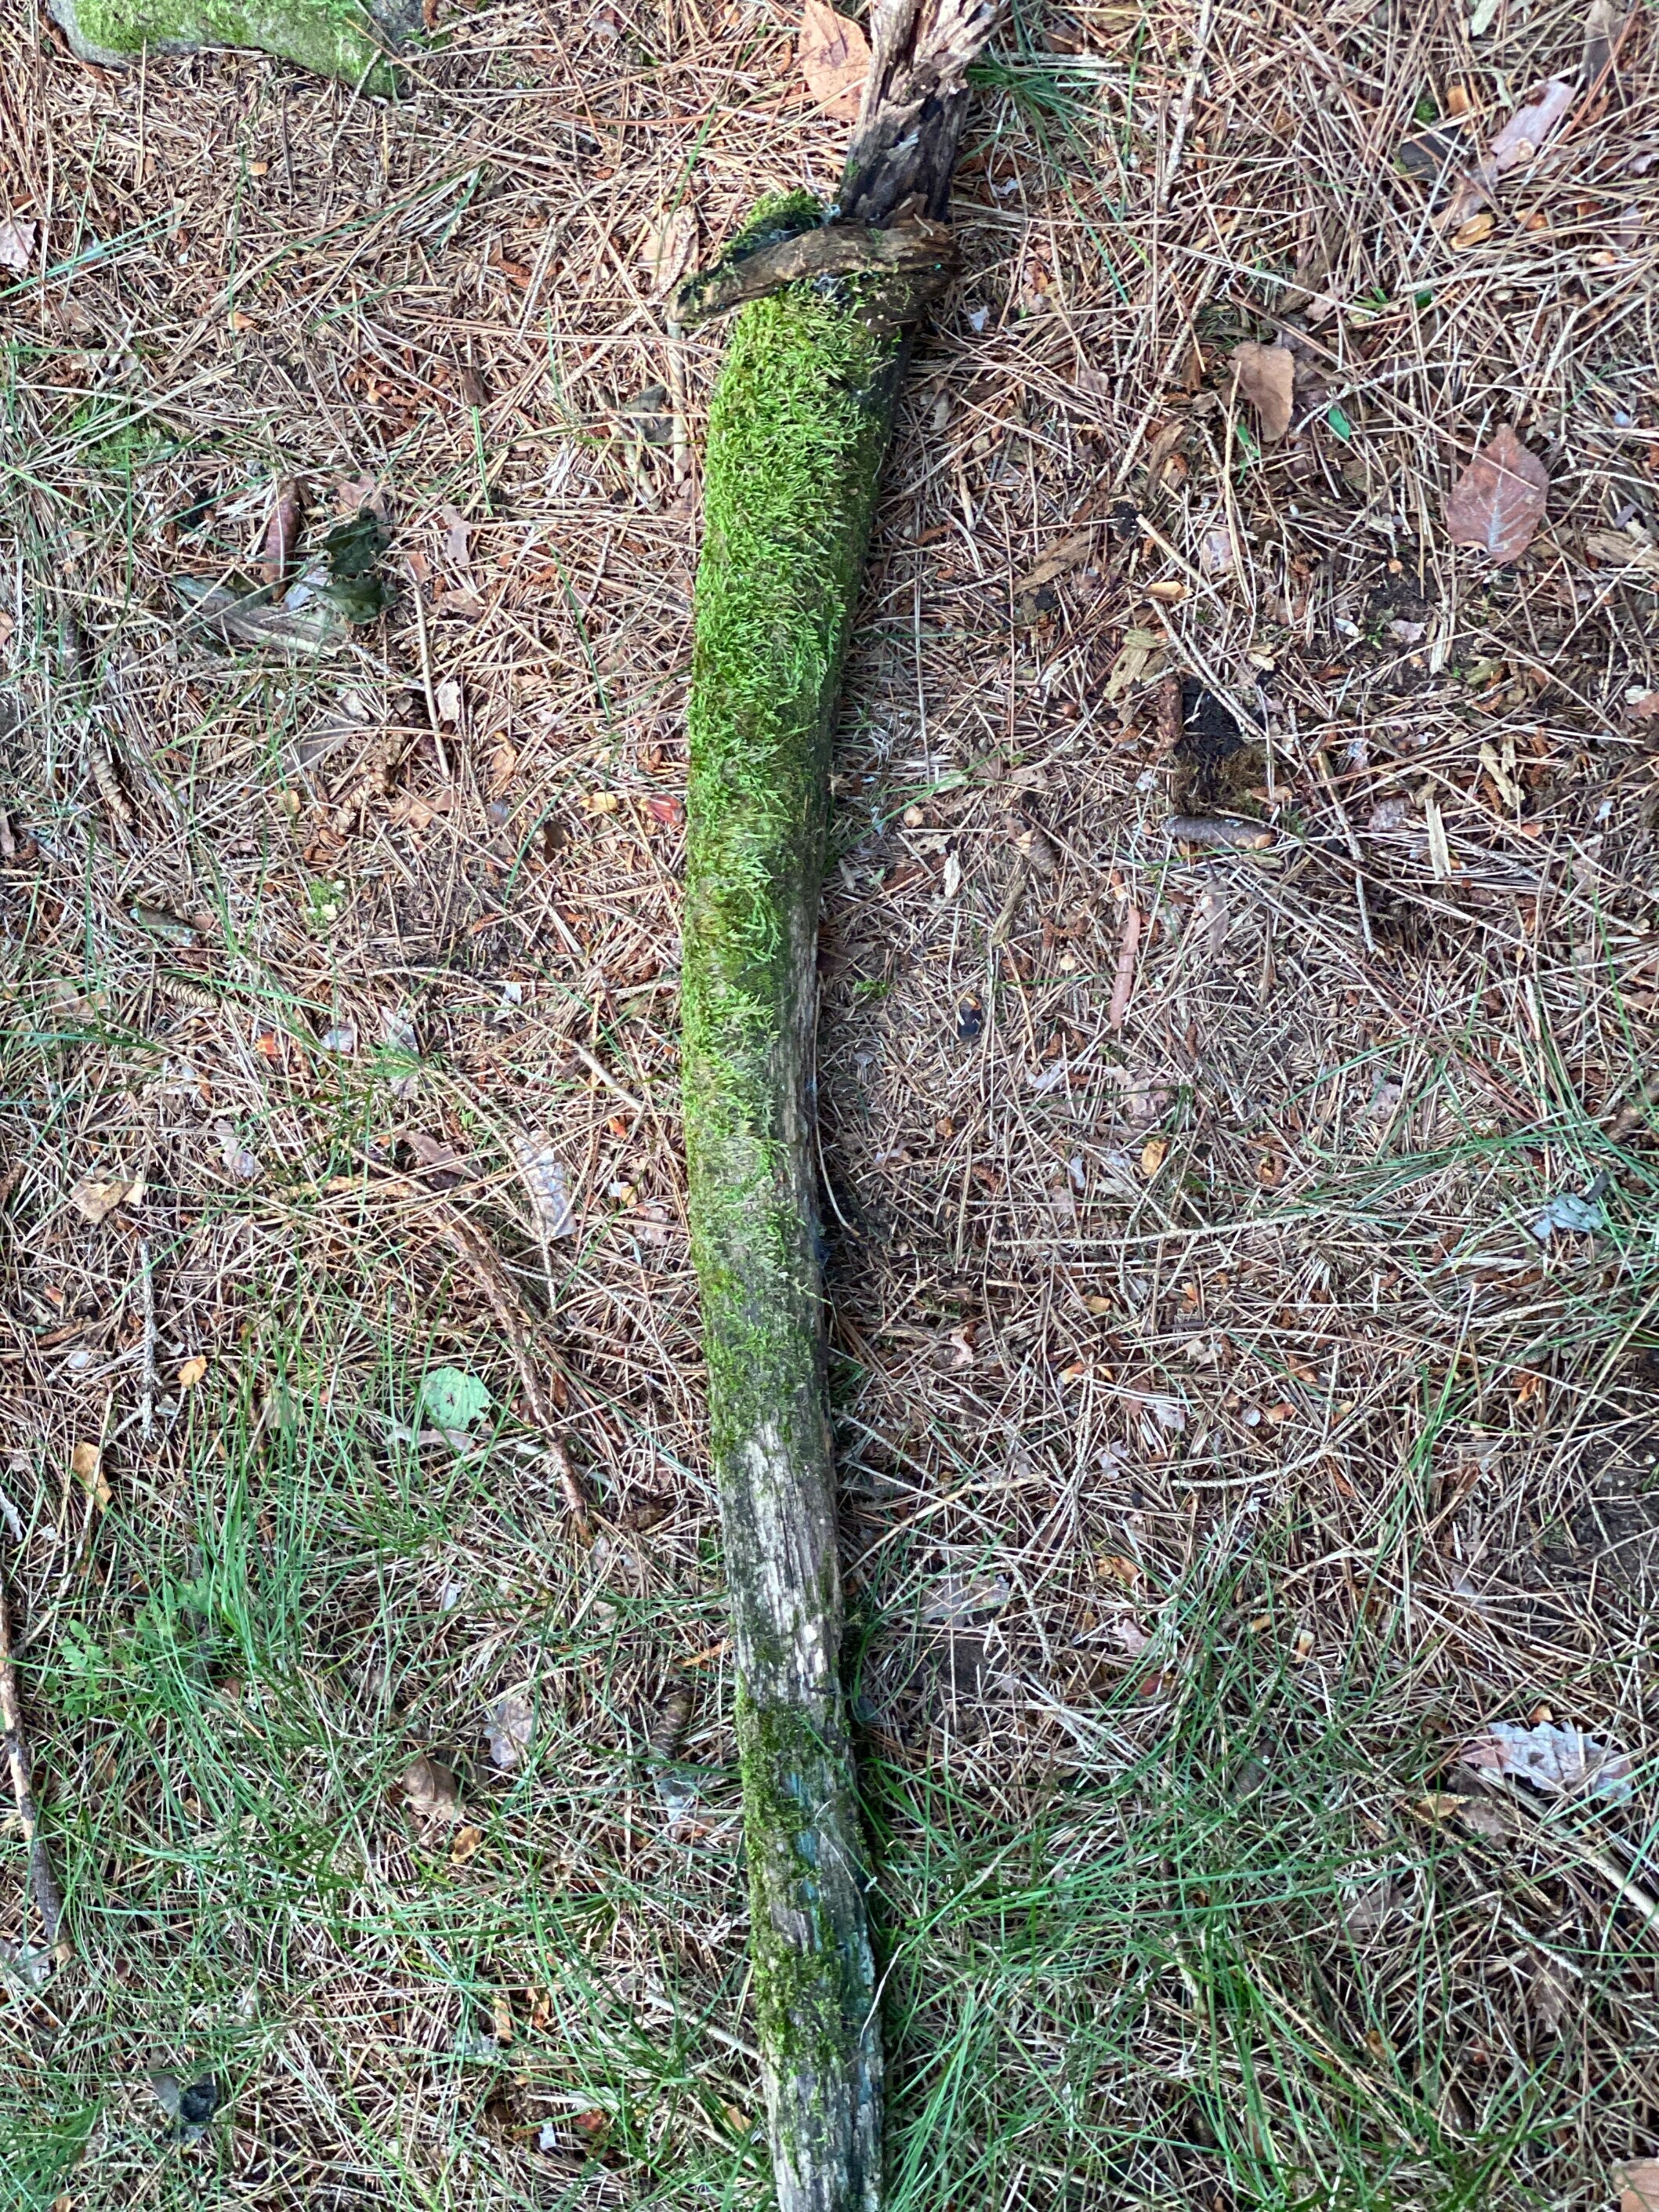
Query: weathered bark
{"points": [[799, 427], [344, 38]]}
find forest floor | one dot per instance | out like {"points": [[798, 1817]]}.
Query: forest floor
{"points": [[1242, 1262]]}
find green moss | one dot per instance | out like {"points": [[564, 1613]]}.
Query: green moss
{"points": [[814, 1998], [335, 38], [112, 435], [798, 428]]}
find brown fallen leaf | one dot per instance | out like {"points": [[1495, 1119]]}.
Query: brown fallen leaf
{"points": [[542, 1172], [457, 538], [1475, 232], [87, 1466], [834, 58], [509, 1723], [670, 248], [1266, 377], [1527, 129], [98, 1200], [1638, 2184], [1067, 555], [18, 236], [282, 531], [1644, 708], [430, 1789], [1498, 501]]}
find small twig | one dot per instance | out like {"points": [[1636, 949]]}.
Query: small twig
{"points": [[424, 647], [1188, 96], [42, 1881], [149, 1383], [598, 1069], [1123, 983], [1222, 831], [1341, 812]]}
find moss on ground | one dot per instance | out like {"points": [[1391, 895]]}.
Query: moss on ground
{"points": [[335, 38]]}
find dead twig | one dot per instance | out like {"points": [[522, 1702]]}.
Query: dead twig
{"points": [[1224, 832], [42, 1881]]}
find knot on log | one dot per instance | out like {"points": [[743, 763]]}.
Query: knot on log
{"points": [[883, 278]]}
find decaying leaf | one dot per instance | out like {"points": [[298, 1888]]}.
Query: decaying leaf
{"points": [[1638, 2184], [430, 1789], [282, 531], [1138, 658], [98, 1200], [1604, 26], [19, 235], [241, 1164], [452, 1400], [1063, 556], [1556, 1760], [509, 1723], [670, 246], [1499, 503], [548, 1189], [834, 56], [87, 1466], [457, 538], [1266, 377], [1550, 1994], [1527, 128], [1475, 232]]}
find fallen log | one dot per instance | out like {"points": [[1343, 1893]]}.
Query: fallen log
{"points": [[346, 39], [799, 427]]}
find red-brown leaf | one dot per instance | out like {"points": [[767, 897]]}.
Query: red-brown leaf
{"points": [[835, 59], [282, 531], [1498, 501]]}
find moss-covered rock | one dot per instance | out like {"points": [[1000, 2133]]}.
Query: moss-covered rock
{"points": [[346, 39]]}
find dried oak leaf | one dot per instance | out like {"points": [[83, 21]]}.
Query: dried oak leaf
{"points": [[1266, 377], [87, 1466], [18, 237], [430, 1789], [834, 56], [1498, 501], [509, 1724], [1638, 2184], [97, 1200]]}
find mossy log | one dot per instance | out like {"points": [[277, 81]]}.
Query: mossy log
{"points": [[346, 39], [799, 425]]}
